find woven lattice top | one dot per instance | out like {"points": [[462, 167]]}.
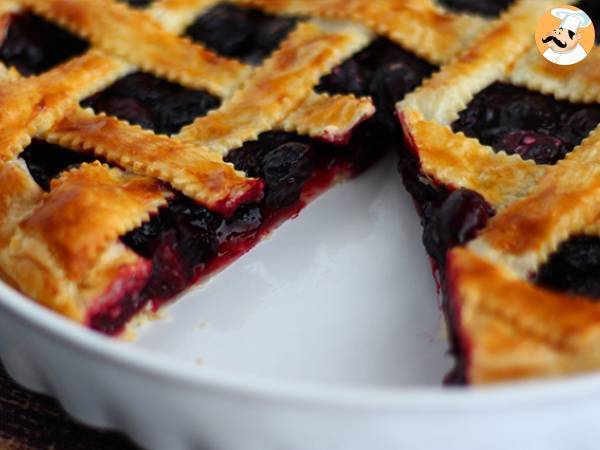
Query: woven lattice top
{"points": [[510, 327], [62, 247]]}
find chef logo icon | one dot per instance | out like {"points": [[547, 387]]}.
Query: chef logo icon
{"points": [[565, 35]]}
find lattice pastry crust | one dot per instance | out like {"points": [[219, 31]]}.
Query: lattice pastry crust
{"points": [[510, 328], [62, 248]]}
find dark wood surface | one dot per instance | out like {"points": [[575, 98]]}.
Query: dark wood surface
{"points": [[29, 421]]}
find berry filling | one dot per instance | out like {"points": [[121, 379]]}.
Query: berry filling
{"points": [[533, 125], [46, 161], [384, 72], [185, 242], [152, 103], [487, 8], [284, 164], [242, 33], [138, 3], [33, 45], [573, 268], [450, 217]]}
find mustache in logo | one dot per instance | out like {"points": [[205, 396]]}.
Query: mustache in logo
{"points": [[556, 41]]}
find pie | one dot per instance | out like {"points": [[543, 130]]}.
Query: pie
{"points": [[146, 144], [502, 161]]}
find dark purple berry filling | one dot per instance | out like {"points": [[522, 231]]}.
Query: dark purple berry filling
{"points": [[383, 71], [242, 33], [453, 222], [34, 45], [152, 103], [530, 124], [45, 161], [449, 218], [138, 3], [487, 8], [283, 160], [179, 240], [573, 268]]}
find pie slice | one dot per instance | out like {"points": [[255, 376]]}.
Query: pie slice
{"points": [[501, 158]]}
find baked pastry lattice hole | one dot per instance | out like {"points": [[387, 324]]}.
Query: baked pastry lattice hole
{"points": [[573, 268], [138, 3], [488, 8], [153, 103], [234, 31], [34, 45], [530, 124]]}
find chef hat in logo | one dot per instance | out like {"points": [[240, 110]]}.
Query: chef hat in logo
{"points": [[572, 20]]}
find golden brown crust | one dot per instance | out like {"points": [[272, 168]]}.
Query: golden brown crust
{"points": [[509, 327], [67, 260], [137, 38], [530, 333], [565, 202], [64, 252], [86, 210], [320, 115], [28, 267], [176, 15], [578, 83], [276, 88], [459, 161], [19, 195], [421, 26], [195, 171], [328, 117], [488, 59], [31, 105]]}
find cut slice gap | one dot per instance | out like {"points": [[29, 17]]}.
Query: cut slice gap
{"points": [[450, 217], [246, 34], [33, 45], [574, 268], [519, 121], [486, 8], [153, 103], [185, 242]]}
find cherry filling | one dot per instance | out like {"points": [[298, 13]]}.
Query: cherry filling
{"points": [[573, 268], [532, 125], [152, 103], [33, 45], [488, 8], [242, 33]]}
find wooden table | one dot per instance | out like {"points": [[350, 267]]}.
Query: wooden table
{"points": [[29, 421]]}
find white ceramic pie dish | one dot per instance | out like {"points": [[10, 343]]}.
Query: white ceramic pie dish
{"points": [[326, 336]]}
